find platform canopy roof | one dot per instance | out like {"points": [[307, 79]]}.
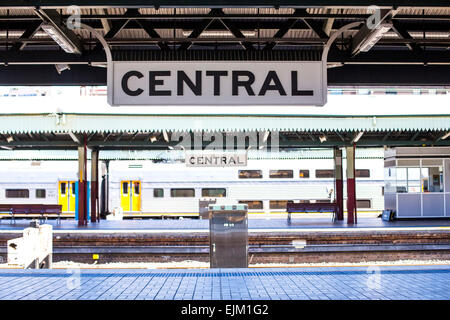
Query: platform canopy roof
{"points": [[370, 121], [413, 52]]}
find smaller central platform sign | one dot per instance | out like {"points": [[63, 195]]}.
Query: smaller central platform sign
{"points": [[193, 83], [225, 159]]}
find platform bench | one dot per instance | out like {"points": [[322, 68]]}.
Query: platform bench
{"points": [[42, 209], [312, 207]]}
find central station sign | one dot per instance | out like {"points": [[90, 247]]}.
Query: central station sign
{"points": [[192, 83], [238, 159]]}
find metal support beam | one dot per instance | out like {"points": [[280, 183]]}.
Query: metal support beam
{"points": [[148, 28], [404, 34], [339, 183], [282, 31], [236, 32], [94, 186], [28, 33], [82, 185], [351, 185]]}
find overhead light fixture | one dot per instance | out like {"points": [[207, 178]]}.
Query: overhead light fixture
{"points": [[9, 139], [260, 147], [445, 136], [266, 136], [358, 136], [171, 148], [375, 36], [153, 138], [59, 38], [220, 33], [322, 138], [166, 136], [61, 67], [6, 148]]}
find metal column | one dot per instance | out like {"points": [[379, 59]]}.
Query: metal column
{"points": [[94, 185], [82, 184], [351, 185], [339, 183]]}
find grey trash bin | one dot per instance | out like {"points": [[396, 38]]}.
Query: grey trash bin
{"points": [[228, 230]]}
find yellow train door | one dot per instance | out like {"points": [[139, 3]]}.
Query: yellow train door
{"points": [[130, 196], [63, 194], [72, 196], [136, 197], [125, 196], [67, 196]]}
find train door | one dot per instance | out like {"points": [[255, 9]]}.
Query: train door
{"points": [[67, 195], [130, 196]]}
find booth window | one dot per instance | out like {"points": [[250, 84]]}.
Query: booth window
{"points": [[17, 193], [304, 174], [214, 192], [40, 193], [408, 180], [322, 173], [252, 204], [363, 204], [432, 179], [279, 204], [158, 193], [281, 174], [362, 173], [182, 193], [250, 174]]}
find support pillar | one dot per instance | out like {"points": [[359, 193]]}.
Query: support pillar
{"points": [[94, 186], [351, 185], [339, 183], [82, 184]]}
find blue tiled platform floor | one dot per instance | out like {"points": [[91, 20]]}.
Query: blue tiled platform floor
{"points": [[345, 283]]}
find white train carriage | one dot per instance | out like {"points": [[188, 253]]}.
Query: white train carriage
{"points": [[144, 188], [39, 182]]}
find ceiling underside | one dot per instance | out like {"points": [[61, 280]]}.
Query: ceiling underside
{"points": [[417, 45]]}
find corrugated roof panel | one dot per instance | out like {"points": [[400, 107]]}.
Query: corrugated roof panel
{"points": [[82, 123]]}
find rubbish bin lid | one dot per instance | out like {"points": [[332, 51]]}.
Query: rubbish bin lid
{"points": [[228, 207]]}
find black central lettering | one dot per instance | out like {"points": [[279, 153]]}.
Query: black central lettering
{"points": [[183, 78], [236, 83], [295, 91], [153, 83], [217, 75], [276, 86], [125, 79]]}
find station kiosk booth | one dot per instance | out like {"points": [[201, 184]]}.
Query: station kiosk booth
{"points": [[417, 182]]}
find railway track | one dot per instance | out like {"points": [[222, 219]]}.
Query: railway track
{"points": [[264, 247]]}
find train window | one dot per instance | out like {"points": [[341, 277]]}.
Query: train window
{"points": [[17, 193], [63, 188], [185, 193], [281, 174], [158, 193], [125, 187], [362, 173], [304, 174], [214, 192], [250, 174], [252, 204], [40, 193], [279, 204], [321, 173], [363, 204], [73, 188], [137, 188]]}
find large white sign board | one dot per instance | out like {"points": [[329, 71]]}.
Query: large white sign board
{"points": [[193, 83]]}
